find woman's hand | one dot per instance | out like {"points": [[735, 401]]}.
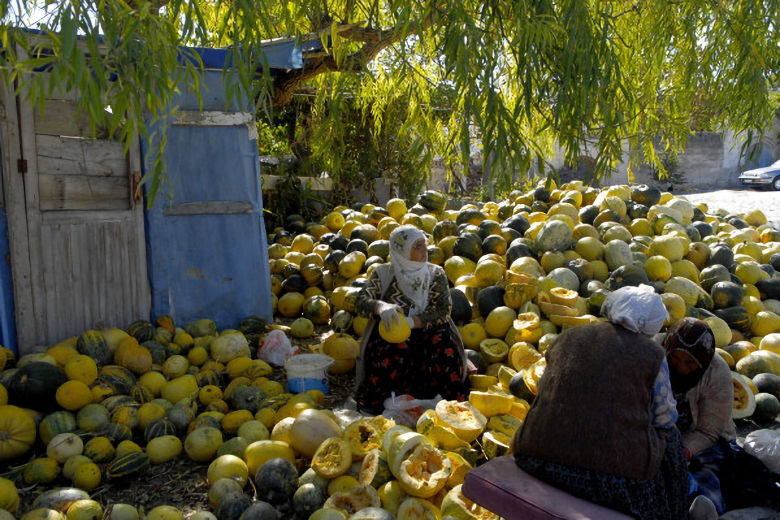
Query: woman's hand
{"points": [[414, 322], [387, 312]]}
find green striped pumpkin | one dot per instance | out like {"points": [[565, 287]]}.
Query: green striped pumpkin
{"points": [[158, 428], [115, 401], [141, 330], [93, 344], [56, 423], [208, 377], [119, 378], [158, 351], [128, 464], [141, 394], [116, 432]]}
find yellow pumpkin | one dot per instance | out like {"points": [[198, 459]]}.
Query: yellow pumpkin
{"points": [[9, 497], [17, 432]]}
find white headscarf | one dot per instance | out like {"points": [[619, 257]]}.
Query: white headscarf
{"points": [[638, 309], [414, 278]]}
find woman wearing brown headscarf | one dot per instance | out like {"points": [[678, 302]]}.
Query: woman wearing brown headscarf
{"points": [[702, 386]]}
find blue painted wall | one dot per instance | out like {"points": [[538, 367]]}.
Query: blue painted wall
{"points": [[209, 265], [7, 321]]}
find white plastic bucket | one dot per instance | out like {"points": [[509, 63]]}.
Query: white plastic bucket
{"points": [[308, 372]]}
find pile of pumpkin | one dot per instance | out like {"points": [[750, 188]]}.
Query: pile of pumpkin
{"points": [[525, 268], [109, 403]]}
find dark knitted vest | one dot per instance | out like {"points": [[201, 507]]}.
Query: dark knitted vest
{"points": [[594, 403]]}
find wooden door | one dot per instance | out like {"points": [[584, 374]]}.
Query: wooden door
{"points": [[76, 230]]}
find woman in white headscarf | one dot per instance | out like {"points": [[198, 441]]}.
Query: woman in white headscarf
{"points": [[432, 361], [602, 424]]}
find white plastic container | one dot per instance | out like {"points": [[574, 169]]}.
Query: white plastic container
{"points": [[308, 372]]}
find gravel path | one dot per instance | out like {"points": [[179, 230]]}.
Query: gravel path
{"points": [[740, 200]]}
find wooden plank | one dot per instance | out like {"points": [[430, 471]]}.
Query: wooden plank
{"points": [[212, 118], [216, 207], [63, 118], [82, 192], [13, 186], [136, 273], [79, 156]]}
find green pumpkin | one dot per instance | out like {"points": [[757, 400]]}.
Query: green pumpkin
{"points": [[93, 344], [737, 317], [726, 294], [129, 464], [645, 195], [433, 200], [232, 506], [276, 481], [306, 500], [117, 377], [36, 384], [141, 330], [116, 432], [56, 423], [158, 351], [158, 428], [468, 245]]}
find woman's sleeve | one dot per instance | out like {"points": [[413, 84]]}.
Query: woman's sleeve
{"points": [[664, 405], [365, 302], [715, 403], [439, 301]]}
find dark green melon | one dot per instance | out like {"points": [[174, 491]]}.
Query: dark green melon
{"points": [[769, 288], [767, 407], [232, 506], [433, 200], [35, 386], [444, 228], [713, 274], [260, 510], [276, 481], [645, 195], [247, 398], [726, 294], [306, 500], [489, 298], [469, 246], [736, 316], [768, 383], [461, 307], [252, 325], [158, 351]]}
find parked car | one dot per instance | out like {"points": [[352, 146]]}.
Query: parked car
{"points": [[766, 176]]}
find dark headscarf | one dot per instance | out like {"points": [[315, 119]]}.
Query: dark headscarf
{"points": [[694, 337]]}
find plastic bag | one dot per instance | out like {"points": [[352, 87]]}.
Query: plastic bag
{"points": [[276, 348], [765, 446], [638, 309], [405, 409]]}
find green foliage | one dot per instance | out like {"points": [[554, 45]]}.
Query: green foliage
{"points": [[522, 75]]}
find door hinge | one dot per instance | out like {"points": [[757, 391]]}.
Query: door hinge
{"points": [[21, 165]]}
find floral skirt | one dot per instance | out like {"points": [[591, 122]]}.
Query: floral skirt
{"points": [[662, 497], [425, 365]]}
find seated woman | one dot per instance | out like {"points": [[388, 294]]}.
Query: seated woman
{"points": [[702, 386], [432, 361], [602, 424]]}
